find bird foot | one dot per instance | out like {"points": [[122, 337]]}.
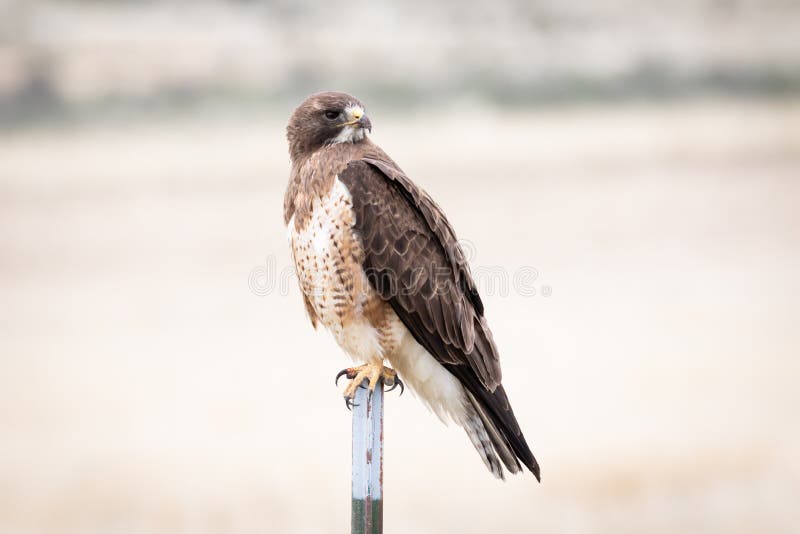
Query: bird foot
{"points": [[374, 372]]}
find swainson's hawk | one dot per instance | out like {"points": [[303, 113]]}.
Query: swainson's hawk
{"points": [[380, 267]]}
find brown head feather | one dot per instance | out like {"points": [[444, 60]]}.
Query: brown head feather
{"points": [[313, 123]]}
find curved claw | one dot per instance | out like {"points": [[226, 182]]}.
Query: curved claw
{"points": [[349, 403], [340, 374], [397, 382]]}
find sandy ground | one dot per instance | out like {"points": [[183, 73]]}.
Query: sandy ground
{"points": [[157, 372]]}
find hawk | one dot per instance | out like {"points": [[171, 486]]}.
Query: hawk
{"points": [[379, 266]]}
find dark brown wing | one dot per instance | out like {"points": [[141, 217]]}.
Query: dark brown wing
{"points": [[414, 261]]}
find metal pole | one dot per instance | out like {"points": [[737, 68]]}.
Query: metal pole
{"points": [[366, 516]]}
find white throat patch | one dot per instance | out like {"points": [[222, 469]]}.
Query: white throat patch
{"points": [[351, 134]]}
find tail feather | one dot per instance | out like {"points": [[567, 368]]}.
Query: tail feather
{"points": [[495, 415], [476, 430], [500, 444]]}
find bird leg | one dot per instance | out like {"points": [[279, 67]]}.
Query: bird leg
{"points": [[373, 371]]}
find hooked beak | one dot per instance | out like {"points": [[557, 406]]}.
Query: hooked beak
{"points": [[360, 120]]}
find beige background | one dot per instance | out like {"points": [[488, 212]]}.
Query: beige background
{"points": [[153, 380]]}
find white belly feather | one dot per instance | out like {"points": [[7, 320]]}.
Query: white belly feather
{"points": [[438, 389]]}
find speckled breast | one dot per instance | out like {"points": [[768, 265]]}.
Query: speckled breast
{"points": [[328, 259]]}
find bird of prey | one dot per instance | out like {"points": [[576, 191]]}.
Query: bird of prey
{"points": [[379, 266]]}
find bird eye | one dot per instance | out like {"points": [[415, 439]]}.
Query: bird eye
{"points": [[331, 114]]}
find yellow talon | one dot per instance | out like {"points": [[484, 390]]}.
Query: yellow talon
{"points": [[371, 371]]}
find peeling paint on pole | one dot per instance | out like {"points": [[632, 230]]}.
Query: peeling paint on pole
{"points": [[367, 505]]}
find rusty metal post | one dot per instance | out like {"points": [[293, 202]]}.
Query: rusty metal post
{"points": [[366, 516]]}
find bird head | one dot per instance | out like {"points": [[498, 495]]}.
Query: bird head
{"points": [[326, 118]]}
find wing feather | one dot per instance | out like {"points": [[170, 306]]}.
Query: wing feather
{"points": [[414, 261]]}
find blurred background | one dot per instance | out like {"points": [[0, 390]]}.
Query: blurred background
{"points": [[625, 175]]}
